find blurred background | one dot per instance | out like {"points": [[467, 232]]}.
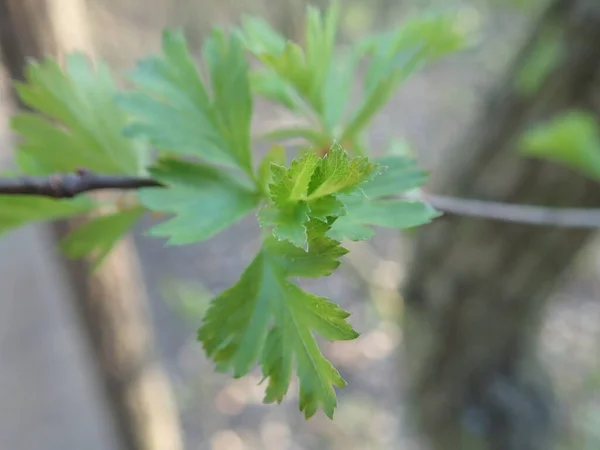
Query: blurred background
{"points": [[53, 392]]}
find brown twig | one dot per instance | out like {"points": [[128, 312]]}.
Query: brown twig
{"points": [[69, 185]]}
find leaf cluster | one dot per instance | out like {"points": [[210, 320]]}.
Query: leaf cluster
{"points": [[188, 125]]}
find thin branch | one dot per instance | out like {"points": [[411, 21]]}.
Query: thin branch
{"points": [[69, 185], [506, 212], [72, 184]]}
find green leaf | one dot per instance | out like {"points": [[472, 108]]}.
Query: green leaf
{"points": [[97, 237], [297, 76], [204, 200], [380, 92], [379, 206], [291, 65], [288, 191], [291, 185], [261, 40], [265, 318], [308, 189], [320, 45], [338, 174], [271, 86], [76, 121], [572, 139], [287, 222], [174, 111], [324, 207], [397, 54], [275, 155], [362, 214], [401, 174], [337, 89], [321, 259], [18, 210], [232, 99], [259, 37]]}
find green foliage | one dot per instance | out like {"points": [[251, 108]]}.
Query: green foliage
{"points": [[309, 189], [98, 236], [266, 317], [198, 123], [572, 139], [380, 205], [205, 200], [76, 122], [316, 83], [171, 106]]}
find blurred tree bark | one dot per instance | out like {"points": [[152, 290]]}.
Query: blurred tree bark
{"points": [[111, 302], [477, 289]]}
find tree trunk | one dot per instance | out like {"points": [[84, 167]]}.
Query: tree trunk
{"points": [[477, 289], [111, 302]]}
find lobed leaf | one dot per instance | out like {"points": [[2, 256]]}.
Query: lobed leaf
{"points": [[308, 189], [265, 318], [379, 206], [338, 174], [401, 174], [75, 120], [321, 259], [173, 109], [363, 214], [205, 200], [297, 78]]}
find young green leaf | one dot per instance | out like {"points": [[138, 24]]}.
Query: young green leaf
{"points": [[204, 200], [265, 318], [338, 174], [288, 191], [76, 121], [309, 189], [174, 111], [291, 185], [572, 139], [98, 236]]}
